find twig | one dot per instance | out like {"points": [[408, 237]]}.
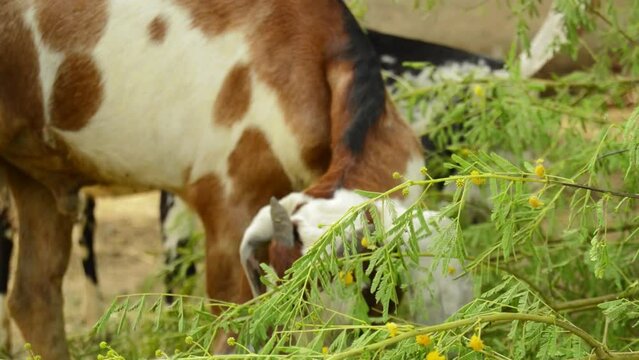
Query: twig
{"points": [[582, 304], [609, 23]]}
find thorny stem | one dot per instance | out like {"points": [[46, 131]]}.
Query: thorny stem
{"points": [[583, 304], [600, 350], [546, 180]]}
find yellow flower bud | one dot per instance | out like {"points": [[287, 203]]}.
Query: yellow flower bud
{"points": [[451, 270], [346, 277], [434, 355], [423, 340], [476, 179], [475, 343], [424, 171], [534, 202], [479, 90], [325, 350], [459, 182], [540, 170], [397, 175], [392, 329]]}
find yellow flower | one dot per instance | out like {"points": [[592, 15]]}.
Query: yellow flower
{"points": [[534, 202], [392, 329], [451, 270], [365, 243], [346, 277], [475, 343], [465, 152], [325, 350], [434, 355], [423, 339], [479, 90], [476, 179], [540, 170]]}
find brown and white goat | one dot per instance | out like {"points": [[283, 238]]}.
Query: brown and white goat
{"points": [[224, 102]]}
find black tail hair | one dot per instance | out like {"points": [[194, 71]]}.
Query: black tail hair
{"points": [[368, 95]]}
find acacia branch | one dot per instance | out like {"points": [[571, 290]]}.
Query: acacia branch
{"points": [[601, 351]]}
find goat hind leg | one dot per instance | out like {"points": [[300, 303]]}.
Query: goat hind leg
{"points": [[35, 301]]}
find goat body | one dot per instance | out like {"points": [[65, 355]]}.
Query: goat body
{"points": [[223, 102]]}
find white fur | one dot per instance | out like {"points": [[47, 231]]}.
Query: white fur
{"points": [[261, 228], [449, 72], [48, 60], [544, 45], [440, 292], [156, 119], [414, 172]]}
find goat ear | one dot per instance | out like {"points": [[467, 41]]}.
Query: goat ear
{"points": [[253, 252], [282, 225]]}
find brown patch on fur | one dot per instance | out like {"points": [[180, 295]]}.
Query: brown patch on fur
{"points": [[257, 175], [389, 146], [20, 94], [224, 224], [77, 93], [157, 29], [256, 172], [71, 25], [296, 68], [234, 98], [281, 257], [215, 17]]}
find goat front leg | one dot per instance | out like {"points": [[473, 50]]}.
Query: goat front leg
{"points": [[35, 301]]}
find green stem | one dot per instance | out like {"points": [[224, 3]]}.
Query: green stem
{"points": [[583, 304], [600, 350]]}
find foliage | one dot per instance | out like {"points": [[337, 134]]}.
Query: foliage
{"points": [[553, 259]]}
